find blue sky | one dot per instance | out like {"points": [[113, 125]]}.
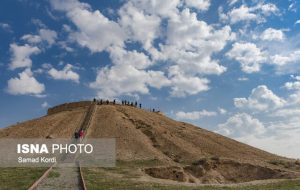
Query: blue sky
{"points": [[228, 66]]}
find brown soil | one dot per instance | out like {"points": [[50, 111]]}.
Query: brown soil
{"points": [[143, 135], [218, 172]]}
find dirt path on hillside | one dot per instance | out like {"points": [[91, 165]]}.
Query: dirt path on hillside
{"points": [[63, 178]]}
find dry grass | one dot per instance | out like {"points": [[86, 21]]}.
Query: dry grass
{"points": [[143, 135]]}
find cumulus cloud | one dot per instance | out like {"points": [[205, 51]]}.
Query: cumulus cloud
{"points": [[120, 56], [260, 99], [280, 130], [21, 55], [184, 62], [188, 85], [65, 74], [249, 55], [241, 125], [113, 81], [198, 4], [285, 143], [163, 9], [46, 35], [271, 34], [95, 31], [194, 115], [267, 9], [32, 39], [138, 26], [292, 85], [257, 13], [198, 41], [26, 84], [281, 59], [242, 13]]}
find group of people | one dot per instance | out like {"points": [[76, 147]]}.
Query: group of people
{"points": [[78, 135], [100, 102], [124, 102], [128, 103]]}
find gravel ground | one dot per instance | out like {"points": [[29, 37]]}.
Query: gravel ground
{"points": [[67, 178]]}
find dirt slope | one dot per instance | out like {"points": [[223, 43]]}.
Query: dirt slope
{"points": [[142, 134], [187, 153], [59, 125]]}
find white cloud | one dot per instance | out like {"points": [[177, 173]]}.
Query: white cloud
{"points": [[5, 27], [191, 42], [290, 112], [95, 31], [164, 9], [232, 2], [188, 85], [295, 77], [292, 7], [292, 85], [185, 54], [241, 125], [48, 35], [243, 79], [198, 4], [268, 8], [249, 55], [260, 99], [120, 56], [33, 39], [281, 59], [297, 22], [26, 84], [257, 13], [44, 35], [114, 81], [194, 115], [271, 34], [286, 143], [21, 55], [65, 74], [243, 13], [45, 105], [222, 111], [138, 26]]}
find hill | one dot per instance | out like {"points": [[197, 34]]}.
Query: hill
{"points": [[176, 150]]}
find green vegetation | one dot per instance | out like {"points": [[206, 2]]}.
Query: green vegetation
{"points": [[98, 179], [287, 164], [19, 178], [53, 174]]}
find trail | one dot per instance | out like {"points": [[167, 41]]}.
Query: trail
{"points": [[67, 176]]}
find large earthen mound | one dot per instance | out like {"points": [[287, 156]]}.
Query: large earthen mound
{"points": [[143, 135]]}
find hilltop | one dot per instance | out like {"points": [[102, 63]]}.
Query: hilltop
{"points": [[176, 150]]}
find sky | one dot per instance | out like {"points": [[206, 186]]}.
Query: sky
{"points": [[232, 66]]}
